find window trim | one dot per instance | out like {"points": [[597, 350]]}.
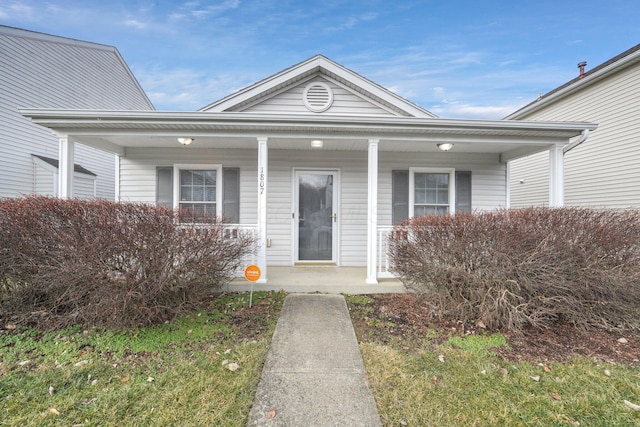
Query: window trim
{"points": [[177, 167], [452, 187]]}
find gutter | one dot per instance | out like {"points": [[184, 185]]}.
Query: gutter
{"points": [[582, 138], [53, 117]]}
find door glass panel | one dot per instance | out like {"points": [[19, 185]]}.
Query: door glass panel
{"points": [[315, 217]]}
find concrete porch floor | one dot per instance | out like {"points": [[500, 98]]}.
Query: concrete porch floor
{"points": [[329, 280]]}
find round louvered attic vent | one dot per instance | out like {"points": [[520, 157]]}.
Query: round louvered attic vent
{"points": [[317, 97]]}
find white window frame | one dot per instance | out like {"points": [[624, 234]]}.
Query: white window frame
{"points": [[205, 167], [452, 187]]}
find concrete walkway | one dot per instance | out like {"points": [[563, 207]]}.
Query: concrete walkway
{"points": [[314, 375]]}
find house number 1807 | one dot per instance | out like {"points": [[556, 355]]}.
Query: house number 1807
{"points": [[261, 181]]}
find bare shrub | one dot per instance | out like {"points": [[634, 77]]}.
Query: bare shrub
{"points": [[97, 262], [513, 268]]}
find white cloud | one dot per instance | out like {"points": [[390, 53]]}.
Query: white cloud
{"points": [[183, 89], [135, 24], [197, 10], [488, 112], [452, 82], [17, 11], [350, 22]]}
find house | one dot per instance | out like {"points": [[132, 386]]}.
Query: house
{"points": [[41, 70], [316, 160], [605, 172]]}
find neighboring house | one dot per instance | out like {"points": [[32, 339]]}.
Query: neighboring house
{"points": [[318, 161], [604, 171], [44, 71]]}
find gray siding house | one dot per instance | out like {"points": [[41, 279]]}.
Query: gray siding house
{"points": [[605, 170], [45, 71], [316, 161]]}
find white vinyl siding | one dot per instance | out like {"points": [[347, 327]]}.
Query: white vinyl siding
{"points": [[603, 171], [345, 102], [488, 177], [138, 183], [43, 181], [529, 181], [84, 187], [138, 171], [77, 75], [101, 163]]}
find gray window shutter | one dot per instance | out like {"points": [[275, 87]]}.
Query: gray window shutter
{"points": [[231, 195], [463, 191], [399, 195], [164, 186]]}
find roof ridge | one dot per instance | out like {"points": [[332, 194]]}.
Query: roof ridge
{"points": [[37, 35]]}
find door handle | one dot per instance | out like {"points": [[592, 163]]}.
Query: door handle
{"points": [[335, 217]]}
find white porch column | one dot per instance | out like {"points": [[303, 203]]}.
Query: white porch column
{"points": [[117, 180], [263, 173], [65, 167], [556, 176], [372, 213]]}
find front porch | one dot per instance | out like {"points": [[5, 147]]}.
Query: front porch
{"points": [[270, 157], [331, 280]]}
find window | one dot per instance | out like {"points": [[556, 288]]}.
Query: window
{"points": [[421, 191], [431, 193], [197, 193], [201, 189]]}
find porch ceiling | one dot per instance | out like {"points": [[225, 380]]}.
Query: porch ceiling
{"points": [[117, 130]]}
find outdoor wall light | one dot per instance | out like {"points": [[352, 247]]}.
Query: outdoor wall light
{"points": [[185, 141], [445, 146], [316, 143]]}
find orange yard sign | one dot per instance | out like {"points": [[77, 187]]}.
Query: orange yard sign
{"points": [[252, 273]]}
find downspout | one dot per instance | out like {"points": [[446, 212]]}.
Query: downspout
{"points": [[570, 146]]}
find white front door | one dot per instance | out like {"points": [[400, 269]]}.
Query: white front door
{"points": [[315, 215]]}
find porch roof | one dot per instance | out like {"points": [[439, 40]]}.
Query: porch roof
{"points": [[116, 131]]}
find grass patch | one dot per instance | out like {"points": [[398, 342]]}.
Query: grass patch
{"points": [[472, 389], [172, 374], [480, 344], [440, 377]]}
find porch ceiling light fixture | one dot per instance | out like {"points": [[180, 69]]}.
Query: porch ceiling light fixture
{"points": [[446, 146], [185, 141], [316, 143]]}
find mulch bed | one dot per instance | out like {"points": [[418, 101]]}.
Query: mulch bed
{"points": [[407, 321]]}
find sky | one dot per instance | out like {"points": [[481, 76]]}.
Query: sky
{"points": [[474, 59]]}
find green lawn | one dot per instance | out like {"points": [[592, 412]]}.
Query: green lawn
{"points": [[174, 374], [462, 381], [470, 389]]}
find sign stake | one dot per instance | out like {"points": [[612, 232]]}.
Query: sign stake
{"points": [[252, 274]]}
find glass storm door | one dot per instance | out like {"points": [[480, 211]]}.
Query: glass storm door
{"points": [[316, 215]]}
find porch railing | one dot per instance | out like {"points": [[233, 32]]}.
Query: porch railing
{"points": [[234, 231], [383, 267]]}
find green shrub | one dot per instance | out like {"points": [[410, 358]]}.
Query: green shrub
{"points": [[68, 262], [536, 266]]}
